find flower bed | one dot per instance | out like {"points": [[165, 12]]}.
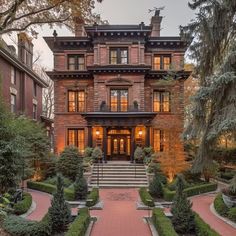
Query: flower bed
{"points": [[146, 197], [93, 197], [23, 206]]}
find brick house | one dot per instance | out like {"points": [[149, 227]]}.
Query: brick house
{"points": [[112, 88]]}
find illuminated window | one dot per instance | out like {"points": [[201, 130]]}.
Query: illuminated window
{"points": [[118, 56], [76, 101], [76, 62], [119, 100], [161, 101], [162, 62], [158, 140], [76, 137]]}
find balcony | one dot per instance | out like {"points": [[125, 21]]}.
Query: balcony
{"points": [[131, 108]]}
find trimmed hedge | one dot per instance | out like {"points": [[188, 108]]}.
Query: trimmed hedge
{"points": [[23, 206], [49, 188], [191, 191], [146, 197], [202, 228], [80, 224], [93, 197], [162, 223], [220, 206]]}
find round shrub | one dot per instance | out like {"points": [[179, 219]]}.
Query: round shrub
{"points": [[232, 214], [24, 205], [97, 153]]}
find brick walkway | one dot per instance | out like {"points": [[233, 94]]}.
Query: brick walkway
{"points": [[119, 216], [201, 204]]}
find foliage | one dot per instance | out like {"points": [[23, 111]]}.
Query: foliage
{"points": [[88, 152], [80, 185], [48, 166], [92, 198], [66, 181], [80, 224], [202, 228], [59, 212], [69, 162], [24, 205], [211, 171], [220, 206], [162, 223], [138, 154], [155, 187], [213, 48], [146, 197], [97, 153], [224, 155], [22, 15], [173, 185], [232, 186], [183, 217], [232, 214], [148, 151], [191, 177]]}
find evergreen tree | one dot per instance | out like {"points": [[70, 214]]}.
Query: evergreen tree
{"points": [[80, 185], [214, 51], [183, 217], [59, 212], [155, 187]]}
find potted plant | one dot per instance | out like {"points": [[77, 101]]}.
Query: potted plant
{"points": [[229, 194], [138, 155]]}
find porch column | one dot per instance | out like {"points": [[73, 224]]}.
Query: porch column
{"points": [[105, 143], [132, 144], [147, 141], [90, 138]]}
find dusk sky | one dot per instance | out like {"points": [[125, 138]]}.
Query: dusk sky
{"points": [[176, 13]]}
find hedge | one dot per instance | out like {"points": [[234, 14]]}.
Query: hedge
{"points": [[146, 197], [202, 228], [191, 191], [80, 224], [49, 188], [220, 206], [92, 198], [162, 223], [23, 206]]}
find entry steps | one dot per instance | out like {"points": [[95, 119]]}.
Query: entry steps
{"points": [[118, 175]]}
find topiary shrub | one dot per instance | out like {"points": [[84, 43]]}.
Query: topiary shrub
{"points": [[68, 162], [24, 205], [59, 212], [146, 197], [138, 154], [183, 216], [80, 185], [155, 187], [93, 197], [97, 154], [88, 152]]}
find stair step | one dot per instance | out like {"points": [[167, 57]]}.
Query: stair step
{"points": [[119, 176], [118, 185]]}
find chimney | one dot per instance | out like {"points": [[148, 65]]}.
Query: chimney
{"points": [[25, 49], [156, 24], [79, 27]]}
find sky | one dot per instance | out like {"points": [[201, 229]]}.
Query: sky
{"points": [[175, 13]]}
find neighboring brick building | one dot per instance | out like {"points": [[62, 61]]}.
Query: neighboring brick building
{"points": [[112, 90], [21, 86]]}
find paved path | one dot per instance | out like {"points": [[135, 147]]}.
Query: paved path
{"points": [[201, 204], [119, 216]]}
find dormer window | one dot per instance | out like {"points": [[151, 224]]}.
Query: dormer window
{"points": [[118, 56], [76, 62], [161, 62]]}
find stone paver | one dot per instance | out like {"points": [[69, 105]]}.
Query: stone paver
{"points": [[119, 216], [201, 204]]}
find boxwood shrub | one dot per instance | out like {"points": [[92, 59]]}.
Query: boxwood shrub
{"points": [[23, 206], [220, 206], [92, 198], [80, 224], [232, 214], [49, 188], [202, 228], [162, 223], [146, 197], [191, 191]]}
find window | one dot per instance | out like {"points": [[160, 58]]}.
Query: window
{"points": [[76, 137], [119, 100], [76, 62], [118, 56], [34, 111], [162, 62], [158, 140], [76, 101], [13, 75], [13, 103], [35, 89], [161, 101]]}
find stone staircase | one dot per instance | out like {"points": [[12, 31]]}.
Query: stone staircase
{"points": [[118, 174]]}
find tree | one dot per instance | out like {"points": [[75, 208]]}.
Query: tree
{"points": [[183, 217], [59, 212], [19, 15], [155, 187], [80, 185], [213, 49]]}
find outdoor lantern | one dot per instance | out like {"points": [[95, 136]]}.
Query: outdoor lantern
{"points": [[140, 133], [97, 132]]}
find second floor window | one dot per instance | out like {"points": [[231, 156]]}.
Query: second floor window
{"points": [[119, 100], [13, 75], [76, 101], [13, 103], [118, 56], [162, 62], [161, 101], [76, 62], [35, 89], [34, 111]]}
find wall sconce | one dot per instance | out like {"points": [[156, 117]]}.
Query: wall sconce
{"points": [[140, 133], [97, 132]]}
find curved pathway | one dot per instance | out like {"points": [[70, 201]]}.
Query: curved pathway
{"points": [[119, 216], [201, 204]]}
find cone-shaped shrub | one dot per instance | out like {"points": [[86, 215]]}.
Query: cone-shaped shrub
{"points": [[155, 187], [80, 186]]}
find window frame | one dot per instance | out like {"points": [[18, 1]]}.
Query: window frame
{"points": [[35, 108], [76, 101], [161, 101], [35, 88], [162, 64], [161, 145], [13, 106], [76, 63], [76, 139], [118, 51], [13, 75], [119, 107]]}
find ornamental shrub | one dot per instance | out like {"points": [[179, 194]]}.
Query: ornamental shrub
{"points": [[146, 197], [80, 185], [138, 154], [93, 197], [155, 187], [232, 214], [24, 205], [220, 206], [97, 153]]}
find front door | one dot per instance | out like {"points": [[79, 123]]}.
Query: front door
{"points": [[119, 148]]}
